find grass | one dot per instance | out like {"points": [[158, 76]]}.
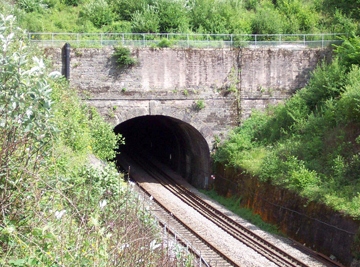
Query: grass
{"points": [[233, 204]]}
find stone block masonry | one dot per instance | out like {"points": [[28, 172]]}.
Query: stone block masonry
{"points": [[230, 82]]}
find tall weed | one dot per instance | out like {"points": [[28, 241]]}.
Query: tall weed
{"points": [[326, 82], [349, 104], [56, 210]]}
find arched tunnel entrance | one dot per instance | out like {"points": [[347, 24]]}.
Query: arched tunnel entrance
{"points": [[172, 142]]}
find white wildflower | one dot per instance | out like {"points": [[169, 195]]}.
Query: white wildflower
{"points": [[102, 203], [154, 245], [59, 214], [124, 246], [55, 74]]}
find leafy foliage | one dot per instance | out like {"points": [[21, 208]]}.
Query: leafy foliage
{"points": [[98, 12], [173, 16], [192, 16], [348, 7], [326, 82], [267, 20], [310, 143], [164, 43], [56, 209], [146, 20], [199, 105], [349, 51], [25, 113], [123, 57]]}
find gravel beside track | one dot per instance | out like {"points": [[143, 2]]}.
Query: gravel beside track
{"points": [[237, 251]]}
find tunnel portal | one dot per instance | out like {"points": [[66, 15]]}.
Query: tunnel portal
{"points": [[172, 142]]}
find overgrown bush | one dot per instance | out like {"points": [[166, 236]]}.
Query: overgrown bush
{"points": [[301, 17], [267, 20], [123, 57], [326, 82], [164, 43], [310, 143], [31, 5], [55, 208], [349, 51], [173, 16], [98, 12], [146, 20], [195, 16], [26, 129], [349, 104]]}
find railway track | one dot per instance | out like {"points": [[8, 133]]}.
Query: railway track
{"points": [[233, 228], [207, 254]]}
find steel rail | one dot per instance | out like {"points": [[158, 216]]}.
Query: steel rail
{"points": [[233, 228]]}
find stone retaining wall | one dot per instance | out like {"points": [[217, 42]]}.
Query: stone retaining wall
{"points": [[310, 223], [230, 82]]}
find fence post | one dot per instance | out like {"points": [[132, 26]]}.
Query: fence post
{"points": [[187, 39], [66, 61], [231, 41], [255, 39], [322, 40], [304, 39]]}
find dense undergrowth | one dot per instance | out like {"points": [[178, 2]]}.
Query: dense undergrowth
{"points": [[311, 143], [187, 16], [56, 208]]}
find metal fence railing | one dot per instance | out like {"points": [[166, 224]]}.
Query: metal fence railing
{"points": [[184, 40]]}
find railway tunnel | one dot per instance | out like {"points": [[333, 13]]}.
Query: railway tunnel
{"points": [[170, 141]]}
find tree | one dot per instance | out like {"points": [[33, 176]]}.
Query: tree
{"points": [[98, 12], [350, 8], [173, 16]]}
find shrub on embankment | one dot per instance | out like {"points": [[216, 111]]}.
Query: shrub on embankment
{"points": [[56, 209], [311, 143], [195, 16], [305, 154]]}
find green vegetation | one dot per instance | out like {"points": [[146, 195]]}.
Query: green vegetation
{"points": [[56, 207], [233, 204], [56, 210], [199, 105], [164, 43], [123, 57], [184, 16], [311, 143]]}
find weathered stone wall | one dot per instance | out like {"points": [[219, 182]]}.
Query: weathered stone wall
{"points": [[319, 227], [268, 76], [230, 82]]}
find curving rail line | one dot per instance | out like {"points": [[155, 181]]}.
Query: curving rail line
{"points": [[239, 232], [233, 228]]}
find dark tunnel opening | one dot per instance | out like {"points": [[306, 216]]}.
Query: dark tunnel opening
{"points": [[172, 142]]}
